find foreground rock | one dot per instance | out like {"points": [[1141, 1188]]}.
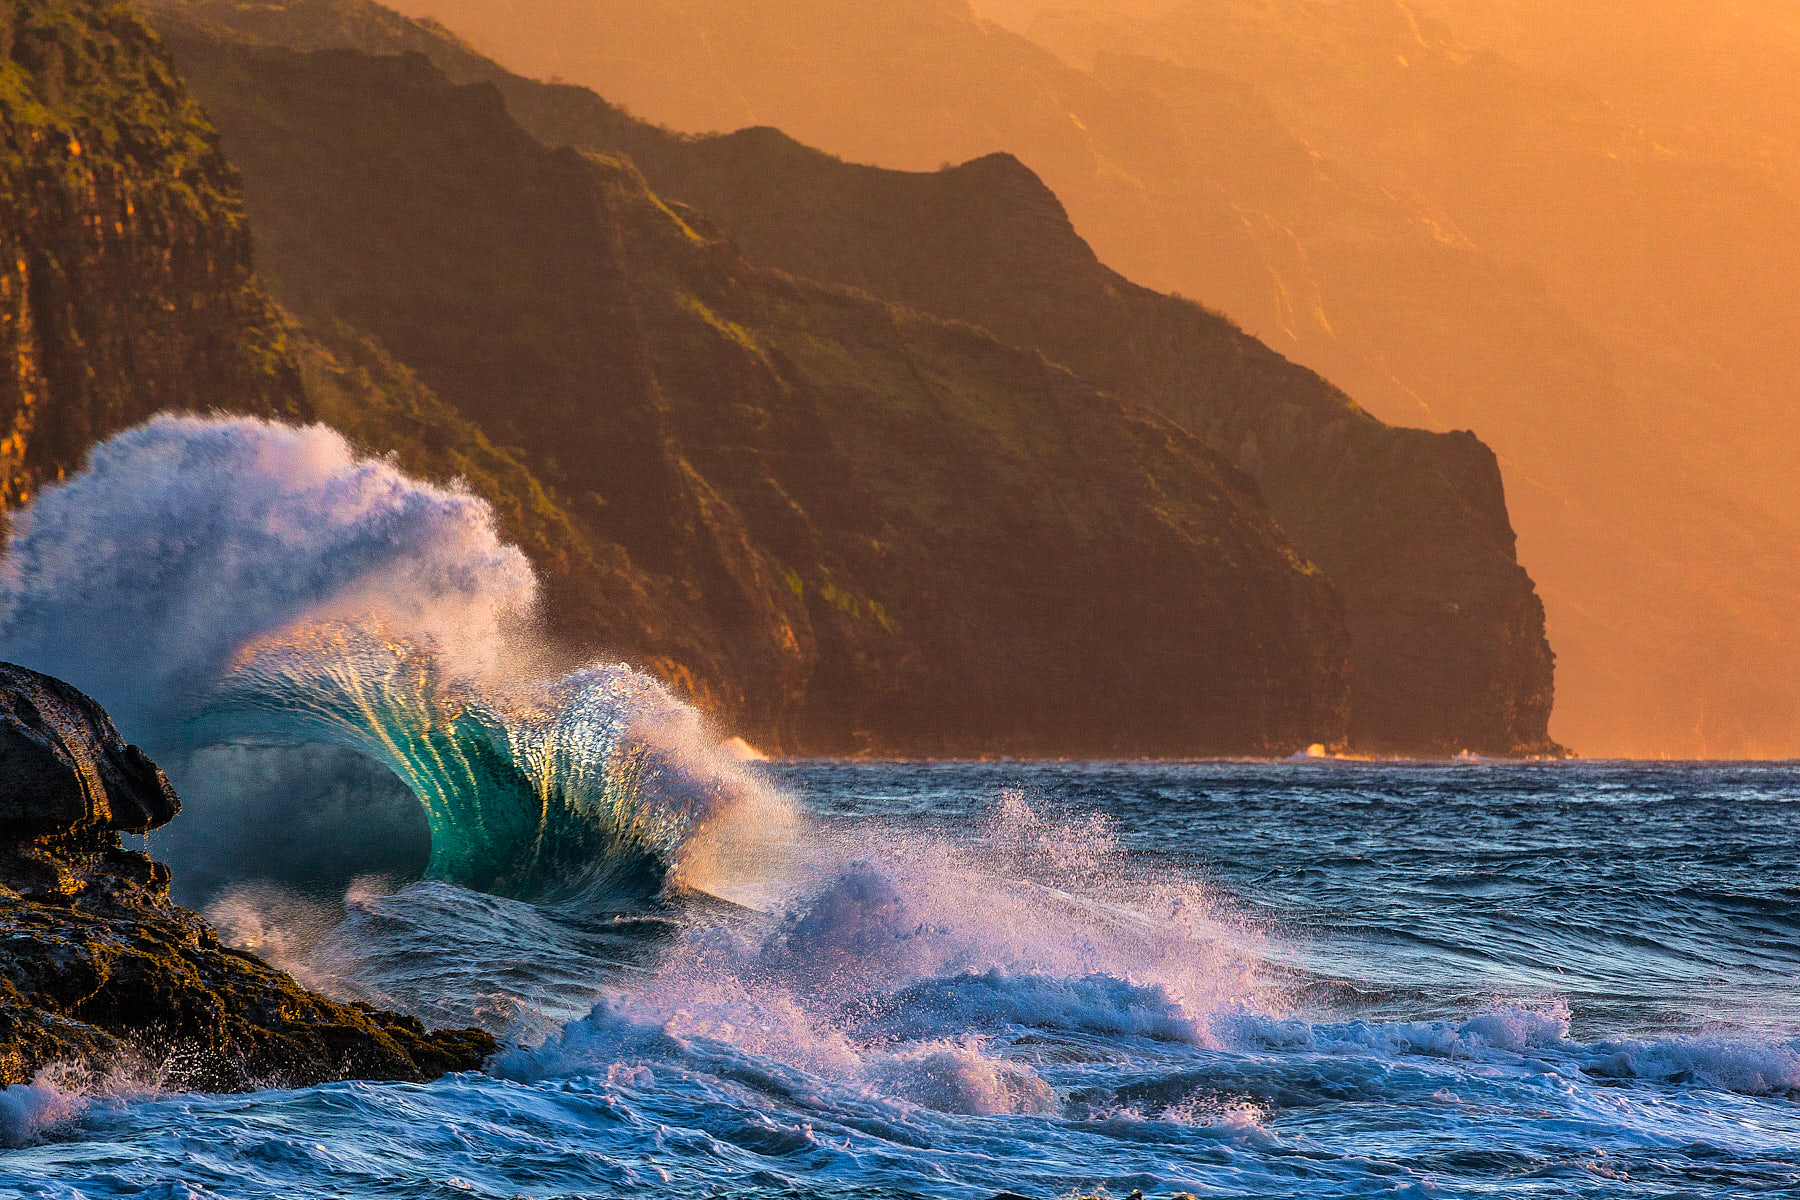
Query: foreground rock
{"points": [[99, 966]]}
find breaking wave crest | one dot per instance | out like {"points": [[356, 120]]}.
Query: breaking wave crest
{"points": [[600, 777], [217, 581]]}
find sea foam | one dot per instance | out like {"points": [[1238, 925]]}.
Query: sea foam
{"points": [[216, 580]]}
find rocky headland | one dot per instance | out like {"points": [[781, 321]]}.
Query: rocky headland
{"points": [[884, 481], [99, 968], [1446, 632]]}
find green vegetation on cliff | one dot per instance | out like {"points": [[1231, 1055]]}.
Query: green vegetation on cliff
{"points": [[125, 284], [839, 524], [1447, 631]]}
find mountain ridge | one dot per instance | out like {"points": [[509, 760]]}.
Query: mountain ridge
{"points": [[836, 515], [1447, 640], [1457, 241]]}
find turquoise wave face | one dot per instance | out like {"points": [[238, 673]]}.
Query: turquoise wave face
{"points": [[529, 794], [183, 579]]}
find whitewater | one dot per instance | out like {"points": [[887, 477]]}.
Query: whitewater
{"points": [[715, 977]]}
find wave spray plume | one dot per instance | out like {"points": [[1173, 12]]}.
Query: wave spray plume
{"points": [[235, 580]]}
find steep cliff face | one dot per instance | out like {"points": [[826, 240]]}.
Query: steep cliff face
{"points": [[125, 285], [1448, 642], [839, 524], [842, 524]]}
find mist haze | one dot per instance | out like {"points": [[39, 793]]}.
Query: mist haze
{"points": [[1513, 218]]}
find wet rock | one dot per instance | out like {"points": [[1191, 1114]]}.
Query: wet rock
{"points": [[98, 966], [66, 768]]}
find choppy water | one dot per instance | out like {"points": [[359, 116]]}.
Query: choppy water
{"points": [[1300, 979], [955, 980]]}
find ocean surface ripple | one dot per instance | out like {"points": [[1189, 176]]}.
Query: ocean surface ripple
{"points": [[715, 977], [1331, 979]]}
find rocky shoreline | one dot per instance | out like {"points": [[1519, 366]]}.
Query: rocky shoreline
{"points": [[99, 968]]}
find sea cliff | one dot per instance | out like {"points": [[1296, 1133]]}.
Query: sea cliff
{"points": [[841, 524], [1447, 632], [125, 281]]}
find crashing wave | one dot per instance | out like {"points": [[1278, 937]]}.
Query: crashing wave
{"points": [[580, 783], [235, 580]]}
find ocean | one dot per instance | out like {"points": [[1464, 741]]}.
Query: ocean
{"points": [[1305, 979], [721, 977]]}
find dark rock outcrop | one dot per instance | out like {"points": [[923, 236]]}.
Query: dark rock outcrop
{"points": [[66, 769], [100, 968]]}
